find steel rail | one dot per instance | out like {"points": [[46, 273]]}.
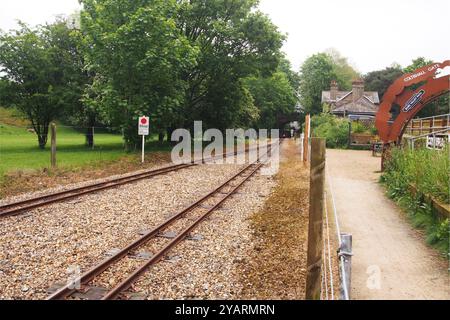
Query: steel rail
{"points": [[125, 284], [90, 274], [15, 208], [93, 272], [28, 204]]}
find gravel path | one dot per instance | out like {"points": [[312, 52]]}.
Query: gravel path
{"points": [[391, 260], [45, 245]]}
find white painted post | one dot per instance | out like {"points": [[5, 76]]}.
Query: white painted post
{"points": [[143, 147], [143, 130]]}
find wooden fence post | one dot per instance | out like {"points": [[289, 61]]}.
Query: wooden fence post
{"points": [[53, 144], [316, 206], [306, 139]]}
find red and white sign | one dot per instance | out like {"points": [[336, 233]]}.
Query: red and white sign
{"points": [[144, 126]]}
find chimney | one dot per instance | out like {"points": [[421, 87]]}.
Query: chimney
{"points": [[357, 89], [333, 90]]}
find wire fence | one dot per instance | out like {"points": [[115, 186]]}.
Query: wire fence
{"points": [[327, 292], [344, 251], [20, 148]]}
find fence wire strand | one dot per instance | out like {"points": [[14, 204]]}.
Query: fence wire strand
{"points": [[338, 230]]}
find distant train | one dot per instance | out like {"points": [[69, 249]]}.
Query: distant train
{"points": [[287, 133]]}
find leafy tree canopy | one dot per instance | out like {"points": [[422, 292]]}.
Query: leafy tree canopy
{"points": [[137, 54], [343, 69], [316, 74], [416, 64], [176, 61], [41, 67], [274, 96], [380, 80]]}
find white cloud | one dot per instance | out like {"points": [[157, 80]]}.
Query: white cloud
{"points": [[372, 33], [33, 11]]}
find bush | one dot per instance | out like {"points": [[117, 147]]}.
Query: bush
{"points": [[358, 127], [332, 128], [428, 170]]}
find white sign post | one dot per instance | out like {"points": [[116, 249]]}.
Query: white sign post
{"points": [[143, 125]]}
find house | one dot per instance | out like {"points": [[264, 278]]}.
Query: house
{"points": [[354, 103]]}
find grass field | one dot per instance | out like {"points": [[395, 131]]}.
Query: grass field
{"points": [[19, 148]]}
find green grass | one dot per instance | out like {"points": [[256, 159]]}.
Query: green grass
{"points": [[19, 149], [428, 171]]}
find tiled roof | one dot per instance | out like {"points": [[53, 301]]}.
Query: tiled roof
{"points": [[368, 103], [372, 95], [363, 105]]}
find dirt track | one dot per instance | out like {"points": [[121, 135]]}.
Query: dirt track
{"points": [[391, 259]]}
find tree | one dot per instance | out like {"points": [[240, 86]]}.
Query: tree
{"points": [[380, 80], [316, 74], [236, 42], [273, 96], [41, 67], [137, 54], [416, 64], [342, 68], [292, 76], [176, 61], [6, 93]]}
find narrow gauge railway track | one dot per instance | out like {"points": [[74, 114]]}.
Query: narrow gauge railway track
{"points": [[36, 202], [18, 207], [193, 215]]}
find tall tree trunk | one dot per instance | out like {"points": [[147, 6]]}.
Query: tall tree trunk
{"points": [[169, 135], [90, 137], [90, 131], [42, 136], [161, 137]]}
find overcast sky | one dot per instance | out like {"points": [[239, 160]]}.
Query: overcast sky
{"points": [[371, 33]]}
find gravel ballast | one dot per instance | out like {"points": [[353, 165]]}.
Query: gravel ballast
{"points": [[53, 244], [206, 268], [50, 244]]}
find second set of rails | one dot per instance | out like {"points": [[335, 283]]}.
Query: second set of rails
{"points": [[17, 207], [189, 218], [153, 245]]}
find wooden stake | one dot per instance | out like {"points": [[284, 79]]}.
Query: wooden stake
{"points": [[306, 139], [316, 205], [53, 144]]}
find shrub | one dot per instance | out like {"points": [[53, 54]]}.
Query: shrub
{"points": [[429, 171], [332, 128]]}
